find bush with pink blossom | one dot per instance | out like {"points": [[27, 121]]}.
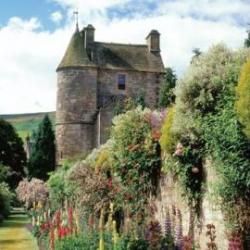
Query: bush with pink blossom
{"points": [[33, 191]]}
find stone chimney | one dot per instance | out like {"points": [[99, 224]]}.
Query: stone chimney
{"points": [[89, 36], [153, 41]]}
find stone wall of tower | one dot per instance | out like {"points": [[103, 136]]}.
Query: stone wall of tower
{"points": [[76, 112], [135, 82]]}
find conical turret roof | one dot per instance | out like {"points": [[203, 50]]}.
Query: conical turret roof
{"points": [[75, 55]]}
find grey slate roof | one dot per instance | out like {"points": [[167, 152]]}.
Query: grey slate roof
{"points": [[75, 55], [111, 56]]}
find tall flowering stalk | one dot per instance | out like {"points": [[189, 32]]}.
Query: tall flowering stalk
{"points": [[178, 232], [101, 231], [58, 223], [52, 238], [91, 222], [153, 234], [115, 236], [110, 217], [173, 219], [187, 243], [234, 242], [167, 224], [77, 229], [70, 220], [211, 234]]}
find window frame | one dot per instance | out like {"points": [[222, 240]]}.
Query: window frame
{"points": [[121, 85]]}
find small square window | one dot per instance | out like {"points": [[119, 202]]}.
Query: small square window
{"points": [[121, 82]]}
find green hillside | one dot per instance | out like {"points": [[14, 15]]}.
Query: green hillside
{"points": [[26, 123]]}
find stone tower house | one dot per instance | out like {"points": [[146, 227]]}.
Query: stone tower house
{"points": [[92, 78]]}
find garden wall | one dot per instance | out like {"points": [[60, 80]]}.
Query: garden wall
{"points": [[170, 195]]}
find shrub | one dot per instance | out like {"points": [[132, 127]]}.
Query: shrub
{"points": [[32, 191], [166, 95], [86, 241], [243, 98], [6, 197], [168, 139], [136, 155], [57, 185], [205, 124]]}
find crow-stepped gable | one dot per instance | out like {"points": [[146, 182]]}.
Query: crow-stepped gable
{"points": [[92, 77]]}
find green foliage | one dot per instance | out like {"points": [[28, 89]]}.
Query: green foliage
{"points": [[42, 159], [166, 94], [136, 156], [58, 188], [12, 153], [139, 100], [230, 151], [247, 40], [168, 140], [128, 243], [130, 103], [204, 116], [5, 173], [243, 98], [6, 197], [88, 241], [206, 125]]}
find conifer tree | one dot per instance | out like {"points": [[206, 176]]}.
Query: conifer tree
{"points": [[42, 159], [12, 154], [166, 94]]}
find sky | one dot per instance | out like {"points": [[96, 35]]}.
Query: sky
{"points": [[35, 33]]}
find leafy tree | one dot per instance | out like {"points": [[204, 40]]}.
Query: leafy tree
{"points": [[166, 95], [243, 101], [11, 153], [5, 172], [42, 159], [196, 53], [247, 40]]}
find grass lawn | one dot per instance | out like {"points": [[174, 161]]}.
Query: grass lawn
{"points": [[14, 235]]}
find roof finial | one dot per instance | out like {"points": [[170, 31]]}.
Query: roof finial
{"points": [[76, 19]]}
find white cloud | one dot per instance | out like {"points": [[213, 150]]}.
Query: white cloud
{"points": [[27, 67], [30, 54], [17, 24], [56, 17], [215, 9]]}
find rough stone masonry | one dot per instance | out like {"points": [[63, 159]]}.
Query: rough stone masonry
{"points": [[92, 77]]}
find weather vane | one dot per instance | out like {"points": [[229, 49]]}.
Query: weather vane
{"points": [[76, 19]]}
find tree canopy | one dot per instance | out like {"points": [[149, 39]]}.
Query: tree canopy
{"points": [[166, 95], [42, 159], [12, 154]]}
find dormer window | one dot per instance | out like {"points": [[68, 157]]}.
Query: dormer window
{"points": [[121, 81]]}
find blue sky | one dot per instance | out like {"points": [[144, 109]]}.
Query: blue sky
{"points": [[34, 35], [29, 8]]}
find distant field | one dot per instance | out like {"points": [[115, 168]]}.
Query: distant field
{"points": [[26, 123]]}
